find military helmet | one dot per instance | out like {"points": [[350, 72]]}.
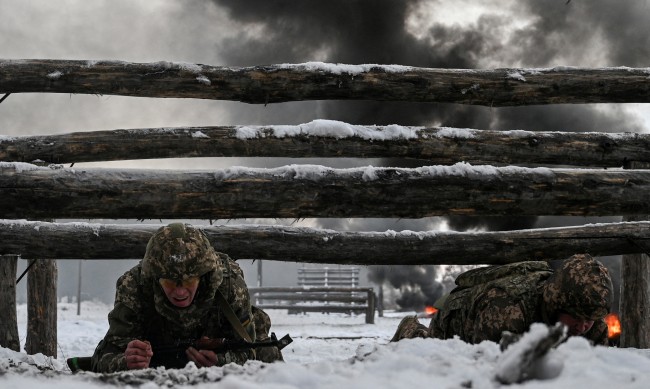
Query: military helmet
{"points": [[179, 251], [581, 287]]}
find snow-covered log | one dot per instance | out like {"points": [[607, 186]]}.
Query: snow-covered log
{"points": [[300, 191], [334, 139], [321, 81], [301, 244]]}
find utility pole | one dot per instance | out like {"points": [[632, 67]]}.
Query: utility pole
{"points": [[79, 291]]}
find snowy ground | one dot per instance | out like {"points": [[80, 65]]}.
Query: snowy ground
{"points": [[335, 351]]}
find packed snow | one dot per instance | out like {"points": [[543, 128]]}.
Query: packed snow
{"points": [[334, 351]]}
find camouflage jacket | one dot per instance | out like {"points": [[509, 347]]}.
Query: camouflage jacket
{"points": [[476, 311], [134, 317]]}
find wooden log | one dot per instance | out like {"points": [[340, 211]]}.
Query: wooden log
{"points": [[330, 139], [370, 311], [318, 81], [635, 293], [300, 191], [41, 308], [298, 244], [9, 323]]}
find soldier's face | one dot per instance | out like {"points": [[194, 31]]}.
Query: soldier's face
{"points": [[576, 326], [180, 294]]}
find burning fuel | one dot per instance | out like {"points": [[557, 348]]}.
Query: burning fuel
{"points": [[429, 310], [613, 326]]}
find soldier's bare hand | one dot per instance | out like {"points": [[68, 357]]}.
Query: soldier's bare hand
{"points": [[138, 354], [202, 358]]}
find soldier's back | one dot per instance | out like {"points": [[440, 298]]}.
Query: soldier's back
{"points": [[490, 300]]}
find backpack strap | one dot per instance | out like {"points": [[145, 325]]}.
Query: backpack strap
{"points": [[231, 316]]}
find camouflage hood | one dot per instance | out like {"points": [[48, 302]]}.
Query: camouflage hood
{"points": [[180, 251], [582, 288]]}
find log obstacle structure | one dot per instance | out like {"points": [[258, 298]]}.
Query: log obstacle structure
{"points": [[298, 244], [333, 139], [300, 191], [319, 81], [474, 181]]}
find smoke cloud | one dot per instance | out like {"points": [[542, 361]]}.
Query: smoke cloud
{"points": [[548, 34]]}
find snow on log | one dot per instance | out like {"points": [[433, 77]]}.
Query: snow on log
{"points": [[301, 191], [333, 139], [309, 245], [322, 81]]}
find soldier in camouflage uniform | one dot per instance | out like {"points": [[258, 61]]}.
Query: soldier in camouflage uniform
{"points": [[171, 295], [490, 300]]}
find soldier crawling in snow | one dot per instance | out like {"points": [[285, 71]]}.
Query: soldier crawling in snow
{"points": [[488, 301], [182, 289]]}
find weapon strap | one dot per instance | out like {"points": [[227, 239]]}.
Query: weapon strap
{"points": [[231, 316]]}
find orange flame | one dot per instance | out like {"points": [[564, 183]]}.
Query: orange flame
{"points": [[613, 325], [429, 310]]}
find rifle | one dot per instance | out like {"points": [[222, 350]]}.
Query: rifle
{"points": [[221, 345], [218, 345]]}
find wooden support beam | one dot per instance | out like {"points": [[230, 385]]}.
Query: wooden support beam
{"points": [[41, 308], [635, 292], [298, 244], [319, 81], [331, 139], [301, 191], [9, 324]]}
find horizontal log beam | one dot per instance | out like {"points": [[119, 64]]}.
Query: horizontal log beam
{"points": [[318, 81], [332, 139], [300, 191], [307, 245]]}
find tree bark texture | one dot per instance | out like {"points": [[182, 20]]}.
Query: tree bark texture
{"points": [[316, 81], [635, 293], [307, 245], [635, 301], [8, 324], [41, 308], [299, 191], [433, 145]]}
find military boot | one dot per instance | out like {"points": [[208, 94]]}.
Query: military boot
{"points": [[410, 328]]}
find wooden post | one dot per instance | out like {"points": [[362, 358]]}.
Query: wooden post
{"points": [[41, 308], [635, 291], [9, 323], [370, 312], [79, 290], [380, 301]]}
